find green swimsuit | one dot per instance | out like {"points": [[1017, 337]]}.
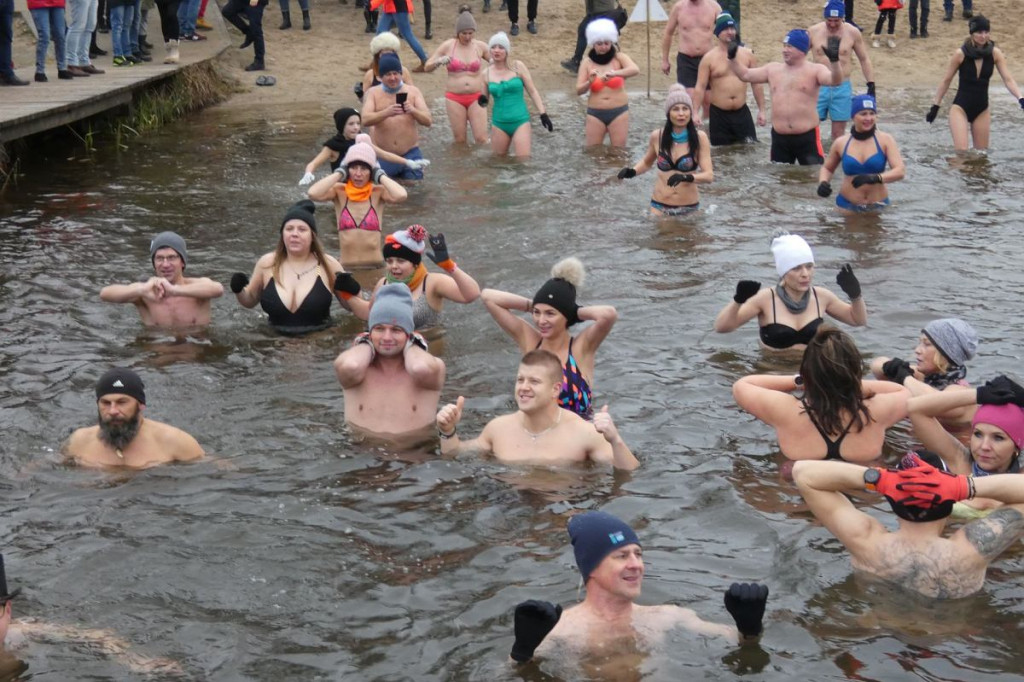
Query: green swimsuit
{"points": [[509, 105]]}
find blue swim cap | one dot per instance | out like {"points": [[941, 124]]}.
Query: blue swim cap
{"points": [[594, 536], [862, 102], [835, 9], [799, 39]]}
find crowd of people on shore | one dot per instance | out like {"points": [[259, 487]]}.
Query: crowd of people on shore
{"points": [[829, 420]]}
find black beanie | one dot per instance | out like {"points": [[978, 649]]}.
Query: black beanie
{"points": [[121, 380], [305, 211], [560, 294], [341, 117], [4, 594], [978, 23]]}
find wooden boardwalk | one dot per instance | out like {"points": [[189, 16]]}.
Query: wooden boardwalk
{"points": [[31, 109]]}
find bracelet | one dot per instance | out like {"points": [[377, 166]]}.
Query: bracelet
{"points": [[446, 436], [970, 487]]}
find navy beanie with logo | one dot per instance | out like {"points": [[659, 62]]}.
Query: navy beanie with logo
{"points": [[594, 536]]}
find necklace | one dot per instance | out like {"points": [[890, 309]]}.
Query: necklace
{"points": [[535, 436], [298, 275], [117, 451]]}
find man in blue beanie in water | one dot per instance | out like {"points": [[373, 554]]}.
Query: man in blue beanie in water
{"points": [[610, 560]]}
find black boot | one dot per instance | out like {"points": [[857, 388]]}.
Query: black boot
{"points": [[286, 20], [305, 20], [371, 21], [94, 49], [428, 35]]}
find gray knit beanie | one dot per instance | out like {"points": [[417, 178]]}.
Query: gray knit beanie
{"points": [[954, 338]]}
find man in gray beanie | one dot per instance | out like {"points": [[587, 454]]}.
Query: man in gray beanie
{"points": [[168, 299], [122, 437], [392, 384]]}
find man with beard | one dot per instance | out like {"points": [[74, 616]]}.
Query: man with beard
{"points": [[609, 623], [540, 432], [391, 383], [123, 437], [169, 299]]}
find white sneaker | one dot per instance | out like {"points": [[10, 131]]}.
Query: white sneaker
{"points": [[172, 52], [891, 42], [874, 42]]}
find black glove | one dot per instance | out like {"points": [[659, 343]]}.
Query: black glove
{"points": [[1021, 102], [346, 283], [932, 113], [1001, 391], [847, 281], [824, 189], [627, 173], [416, 339], [680, 178], [831, 49], [358, 89], [439, 248], [534, 620], [745, 288], [734, 47], [871, 88], [745, 602], [239, 281], [897, 370], [545, 121], [482, 100], [866, 179]]}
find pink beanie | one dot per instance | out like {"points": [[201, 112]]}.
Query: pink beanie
{"points": [[1009, 418], [361, 151]]}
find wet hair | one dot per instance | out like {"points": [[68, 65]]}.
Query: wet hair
{"points": [[665, 147], [831, 370], [546, 359]]}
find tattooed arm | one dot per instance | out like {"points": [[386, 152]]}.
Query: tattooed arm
{"points": [[991, 535]]}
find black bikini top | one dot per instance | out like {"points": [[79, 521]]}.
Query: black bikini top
{"points": [[775, 335]]}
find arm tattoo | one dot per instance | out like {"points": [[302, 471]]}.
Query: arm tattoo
{"points": [[994, 533]]}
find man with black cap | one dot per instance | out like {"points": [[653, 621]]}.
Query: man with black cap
{"points": [[916, 556], [392, 384], [168, 299], [394, 110], [610, 560], [540, 432], [123, 437]]}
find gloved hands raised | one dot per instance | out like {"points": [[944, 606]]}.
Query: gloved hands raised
{"points": [[847, 281], [824, 189], [831, 49], [239, 281], [745, 288], [626, 173], [1001, 391], [378, 174], [358, 90], [342, 172], [440, 253], [897, 370], [932, 113], [866, 179], [732, 49], [871, 88], [346, 285], [533, 621], [416, 164], [545, 121], [745, 602], [923, 486], [307, 179], [680, 178]]}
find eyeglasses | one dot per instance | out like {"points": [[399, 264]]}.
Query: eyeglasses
{"points": [[174, 258]]}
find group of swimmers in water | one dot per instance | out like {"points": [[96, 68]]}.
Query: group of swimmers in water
{"points": [[827, 412]]}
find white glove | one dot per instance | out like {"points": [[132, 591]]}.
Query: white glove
{"points": [[307, 179], [417, 164]]}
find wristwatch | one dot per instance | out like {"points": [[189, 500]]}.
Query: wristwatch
{"points": [[871, 478]]}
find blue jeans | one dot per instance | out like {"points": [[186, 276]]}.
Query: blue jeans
{"points": [[81, 24], [133, 29], [121, 17], [188, 12], [948, 5], [401, 19], [49, 23], [6, 37], [303, 5]]}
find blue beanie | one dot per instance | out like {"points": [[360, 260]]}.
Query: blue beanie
{"points": [[594, 536], [835, 9], [799, 39], [392, 305], [860, 103], [389, 62]]}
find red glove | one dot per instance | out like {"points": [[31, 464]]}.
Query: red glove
{"points": [[923, 486]]}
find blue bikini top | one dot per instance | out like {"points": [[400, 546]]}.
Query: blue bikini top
{"points": [[871, 165]]}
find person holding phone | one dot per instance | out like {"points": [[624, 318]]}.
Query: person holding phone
{"points": [[394, 110]]}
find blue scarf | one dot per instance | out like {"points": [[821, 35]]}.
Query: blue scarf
{"points": [[392, 91], [681, 138]]}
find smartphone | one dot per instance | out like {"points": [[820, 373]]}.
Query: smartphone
{"points": [[401, 97]]}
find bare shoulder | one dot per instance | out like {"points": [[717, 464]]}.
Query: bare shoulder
{"points": [[78, 439], [266, 260], [991, 535], [176, 441]]}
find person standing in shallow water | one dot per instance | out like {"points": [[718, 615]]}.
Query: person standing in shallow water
{"points": [[610, 560], [464, 58], [168, 299], [603, 73], [123, 436], [554, 309], [970, 116], [506, 81]]}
